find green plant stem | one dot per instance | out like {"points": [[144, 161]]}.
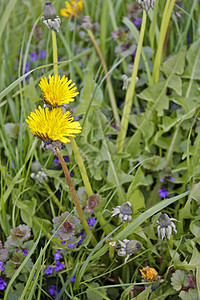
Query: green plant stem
{"points": [[77, 153], [81, 166], [55, 53], [163, 31], [109, 84], [131, 89], [74, 198], [53, 196], [87, 182]]}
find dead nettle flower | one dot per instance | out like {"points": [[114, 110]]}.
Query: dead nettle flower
{"points": [[146, 4], [18, 235], [93, 201], [68, 224], [165, 226], [124, 211], [51, 20], [3, 253], [128, 247]]}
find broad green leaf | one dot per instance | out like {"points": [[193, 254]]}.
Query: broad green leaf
{"points": [[144, 294], [136, 199], [193, 58], [27, 210], [179, 280], [191, 294], [168, 66], [41, 224]]}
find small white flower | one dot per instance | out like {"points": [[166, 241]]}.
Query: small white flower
{"points": [[128, 247], [40, 176], [112, 244], [165, 226], [124, 211]]}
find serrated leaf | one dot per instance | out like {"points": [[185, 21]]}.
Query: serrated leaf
{"points": [[193, 58], [179, 280], [191, 294], [15, 293], [175, 83], [168, 66], [156, 94]]}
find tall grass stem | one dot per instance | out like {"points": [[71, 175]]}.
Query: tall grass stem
{"points": [[131, 88]]}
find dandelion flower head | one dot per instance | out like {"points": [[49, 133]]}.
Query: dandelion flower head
{"points": [[57, 91], [72, 8], [52, 125], [150, 274]]}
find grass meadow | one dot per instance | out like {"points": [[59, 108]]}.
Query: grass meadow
{"points": [[100, 149]]}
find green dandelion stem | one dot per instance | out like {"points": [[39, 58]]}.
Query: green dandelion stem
{"points": [[87, 182], [74, 198], [163, 31], [109, 84], [55, 53], [131, 89]]}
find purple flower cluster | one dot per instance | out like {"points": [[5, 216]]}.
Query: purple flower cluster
{"points": [[163, 193], [83, 234], [1, 266], [53, 291], [3, 284]]}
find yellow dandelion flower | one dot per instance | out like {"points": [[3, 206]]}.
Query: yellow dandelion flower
{"points": [[72, 8], [150, 274], [52, 125], [57, 91]]}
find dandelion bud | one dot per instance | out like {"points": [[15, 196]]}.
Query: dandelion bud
{"points": [[124, 211], [128, 247], [165, 226], [51, 20], [146, 4]]}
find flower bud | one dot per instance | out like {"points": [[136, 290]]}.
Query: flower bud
{"points": [[51, 20]]}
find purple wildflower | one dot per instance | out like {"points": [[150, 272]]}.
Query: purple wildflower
{"points": [[73, 278], [92, 203], [33, 56], [27, 67], [162, 179], [53, 291], [91, 222], [68, 225], [3, 284], [83, 235], [42, 54], [59, 266], [138, 21], [66, 158], [49, 270], [70, 245], [57, 255], [25, 251], [71, 174], [172, 179], [163, 193], [1, 266]]}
